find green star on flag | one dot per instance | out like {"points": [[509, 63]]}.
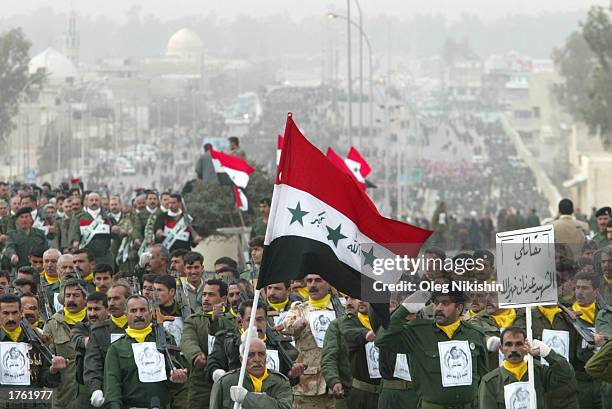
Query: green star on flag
{"points": [[297, 214], [335, 235], [369, 257]]}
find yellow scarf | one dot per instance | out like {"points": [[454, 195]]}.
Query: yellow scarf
{"points": [[588, 312], [278, 307], [119, 321], [550, 312], [88, 277], [49, 279], [139, 334], [518, 370], [365, 320], [258, 382], [14, 334], [608, 280], [471, 313], [303, 292], [71, 318], [505, 318], [450, 329], [37, 324], [319, 304], [234, 313]]}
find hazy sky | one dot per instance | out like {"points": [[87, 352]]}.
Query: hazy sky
{"points": [[169, 9]]}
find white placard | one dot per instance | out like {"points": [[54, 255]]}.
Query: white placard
{"points": [[516, 395], [272, 360], [211, 343], [319, 322], [558, 341], [526, 267], [15, 367], [115, 337], [373, 359], [150, 362], [455, 363], [175, 328], [402, 370]]}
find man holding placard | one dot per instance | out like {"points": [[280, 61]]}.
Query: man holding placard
{"points": [[448, 357], [32, 367], [506, 387]]}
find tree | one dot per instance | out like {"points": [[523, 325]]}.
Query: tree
{"points": [[14, 77], [212, 205]]}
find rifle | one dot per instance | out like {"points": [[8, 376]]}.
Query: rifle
{"points": [[580, 326], [337, 304], [180, 299], [35, 339], [44, 305], [160, 334]]}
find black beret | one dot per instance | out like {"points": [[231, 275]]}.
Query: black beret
{"points": [[603, 211], [23, 210]]}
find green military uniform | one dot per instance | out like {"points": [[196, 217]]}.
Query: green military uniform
{"points": [[40, 376], [99, 342], [99, 243], [556, 375], [419, 339], [601, 239], [395, 391], [258, 227], [487, 324], [78, 333], [335, 363], [19, 242], [600, 364], [275, 392], [8, 222], [365, 388], [566, 397], [139, 221], [179, 392], [603, 325], [59, 331], [589, 389], [196, 332], [250, 274], [122, 243], [122, 386], [149, 228]]}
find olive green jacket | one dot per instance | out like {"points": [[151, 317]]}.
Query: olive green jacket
{"points": [[56, 328], [275, 392], [600, 364], [19, 242], [557, 374], [353, 335], [334, 357], [419, 339], [95, 352]]}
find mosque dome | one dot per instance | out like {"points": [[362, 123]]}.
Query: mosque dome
{"points": [[185, 43], [59, 68]]}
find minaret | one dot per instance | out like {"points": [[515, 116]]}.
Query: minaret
{"points": [[72, 39]]}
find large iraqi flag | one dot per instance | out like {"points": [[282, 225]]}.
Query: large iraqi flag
{"points": [[322, 222]]}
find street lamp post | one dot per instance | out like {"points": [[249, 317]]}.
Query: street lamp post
{"points": [[370, 79]]}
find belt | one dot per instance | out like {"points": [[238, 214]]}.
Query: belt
{"points": [[398, 384], [431, 405], [364, 386]]}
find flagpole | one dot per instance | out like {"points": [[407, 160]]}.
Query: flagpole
{"points": [[247, 345]]}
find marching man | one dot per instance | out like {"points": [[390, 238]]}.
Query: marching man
{"points": [[173, 229]]}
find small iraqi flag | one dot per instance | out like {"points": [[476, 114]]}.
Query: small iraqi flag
{"points": [[322, 222], [231, 170]]}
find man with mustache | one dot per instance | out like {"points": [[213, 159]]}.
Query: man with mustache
{"points": [[120, 244], [23, 238], [30, 310], [514, 346], [146, 216], [494, 319], [42, 373], [311, 392], [173, 230], [102, 334], [122, 385], [58, 329], [602, 216], [262, 387], [225, 355], [97, 311], [280, 300], [422, 340], [198, 333]]}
